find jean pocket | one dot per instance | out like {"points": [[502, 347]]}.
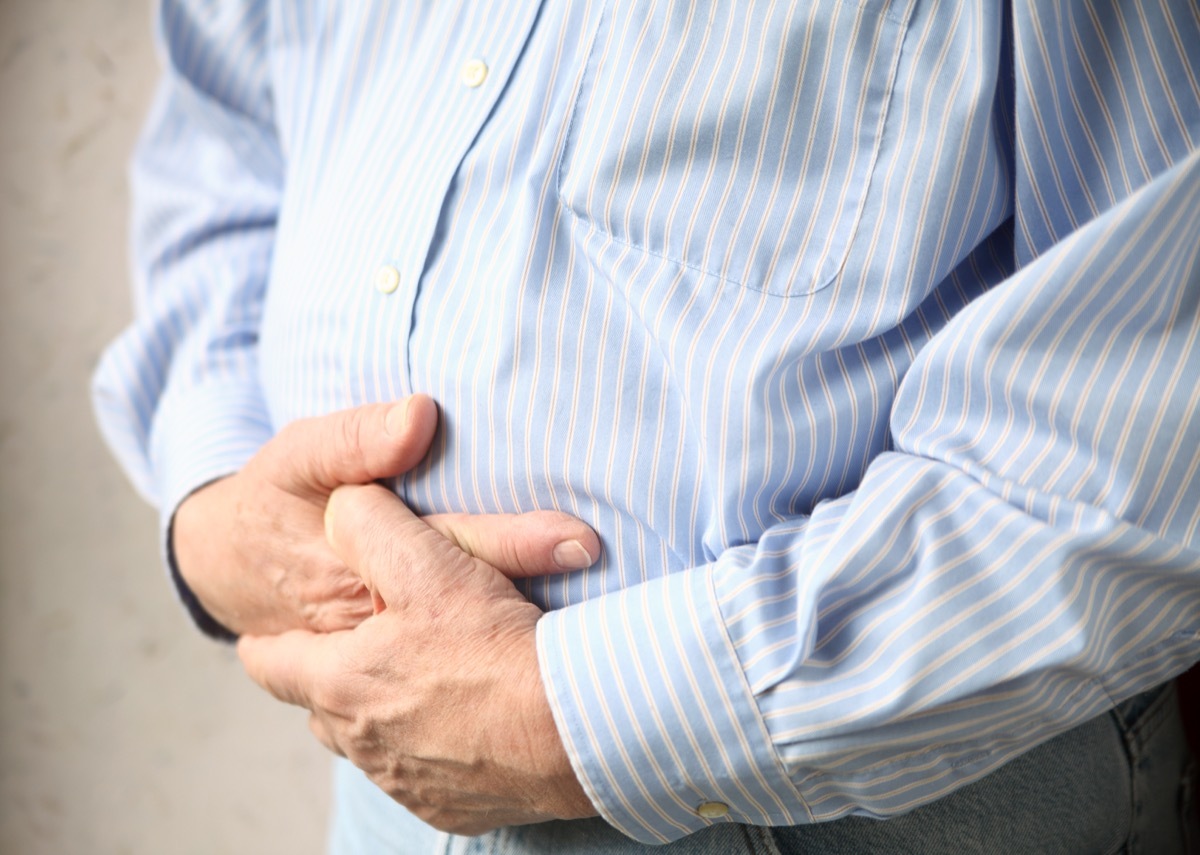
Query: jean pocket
{"points": [[1189, 817], [736, 137], [1152, 728]]}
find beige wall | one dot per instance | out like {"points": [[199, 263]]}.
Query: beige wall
{"points": [[120, 729]]}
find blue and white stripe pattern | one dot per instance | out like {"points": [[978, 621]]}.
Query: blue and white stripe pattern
{"points": [[866, 333]]}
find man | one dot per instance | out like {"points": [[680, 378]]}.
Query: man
{"points": [[863, 334]]}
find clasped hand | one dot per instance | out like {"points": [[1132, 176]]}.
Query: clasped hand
{"points": [[404, 637], [437, 696], [252, 546]]}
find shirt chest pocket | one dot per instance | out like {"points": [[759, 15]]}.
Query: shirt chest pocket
{"points": [[734, 137]]}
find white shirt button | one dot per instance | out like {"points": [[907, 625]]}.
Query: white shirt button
{"points": [[387, 279], [712, 810], [474, 72]]}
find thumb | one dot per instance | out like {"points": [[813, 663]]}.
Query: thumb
{"points": [[354, 446]]}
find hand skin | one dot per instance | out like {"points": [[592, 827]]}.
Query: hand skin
{"points": [[252, 546], [437, 697]]}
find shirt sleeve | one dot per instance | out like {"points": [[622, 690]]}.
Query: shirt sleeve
{"points": [[1024, 557], [177, 394]]}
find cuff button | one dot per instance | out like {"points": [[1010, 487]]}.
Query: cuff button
{"points": [[712, 810]]}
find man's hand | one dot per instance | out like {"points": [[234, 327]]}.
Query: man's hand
{"points": [[438, 696], [252, 546]]}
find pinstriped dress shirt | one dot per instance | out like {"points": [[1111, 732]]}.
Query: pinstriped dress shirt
{"points": [[866, 334]]}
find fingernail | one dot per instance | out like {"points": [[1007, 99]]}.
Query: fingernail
{"points": [[570, 555], [397, 419]]}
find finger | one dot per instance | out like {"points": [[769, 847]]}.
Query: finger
{"points": [[321, 732], [288, 665], [355, 446], [522, 545], [377, 536]]}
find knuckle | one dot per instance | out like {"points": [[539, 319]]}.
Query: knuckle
{"points": [[374, 539], [338, 614], [359, 733], [287, 435], [336, 694], [464, 825], [323, 733], [515, 551], [310, 614], [439, 817], [324, 697], [276, 453], [297, 450], [394, 542], [352, 434]]}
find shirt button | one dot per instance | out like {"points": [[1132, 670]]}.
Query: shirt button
{"points": [[474, 72], [712, 810], [387, 279]]}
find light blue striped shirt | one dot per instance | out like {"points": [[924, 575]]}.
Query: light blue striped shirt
{"points": [[866, 333]]}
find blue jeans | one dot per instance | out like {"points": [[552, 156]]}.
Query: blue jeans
{"points": [[1120, 783]]}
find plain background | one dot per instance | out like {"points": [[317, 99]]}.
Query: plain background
{"points": [[121, 729]]}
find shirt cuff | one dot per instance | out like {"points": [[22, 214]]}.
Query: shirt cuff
{"points": [[656, 715], [203, 435]]}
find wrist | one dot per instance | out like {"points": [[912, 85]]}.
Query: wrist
{"points": [[193, 541], [566, 797]]}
